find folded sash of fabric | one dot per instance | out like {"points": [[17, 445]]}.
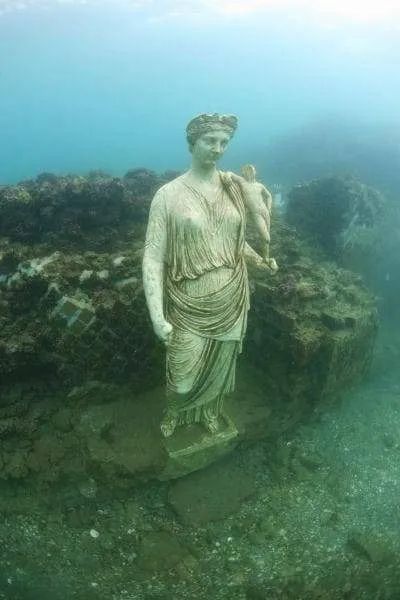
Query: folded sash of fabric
{"points": [[214, 313]]}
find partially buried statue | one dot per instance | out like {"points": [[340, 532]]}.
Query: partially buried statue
{"points": [[195, 276]]}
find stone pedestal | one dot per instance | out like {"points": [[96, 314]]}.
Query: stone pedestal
{"points": [[192, 448]]}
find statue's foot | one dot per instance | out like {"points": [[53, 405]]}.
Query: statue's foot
{"points": [[211, 424], [168, 425]]}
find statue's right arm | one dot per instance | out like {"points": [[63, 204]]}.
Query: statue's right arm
{"points": [[154, 258]]}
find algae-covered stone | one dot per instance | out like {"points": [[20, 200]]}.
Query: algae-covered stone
{"points": [[62, 420], [375, 547], [161, 551], [310, 345], [122, 436], [211, 494], [336, 212], [76, 314]]}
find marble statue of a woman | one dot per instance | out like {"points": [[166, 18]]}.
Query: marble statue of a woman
{"points": [[195, 276]]}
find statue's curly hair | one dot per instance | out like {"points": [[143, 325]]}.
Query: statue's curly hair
{"points": [[209, 122]]}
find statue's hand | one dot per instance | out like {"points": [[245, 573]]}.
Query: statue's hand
{"points": [[266, 264], [248, 188], [272, 265], [163, 330]]}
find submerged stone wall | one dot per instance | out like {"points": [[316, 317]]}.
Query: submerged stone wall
{"points": [[78, 357], [340, 214]]}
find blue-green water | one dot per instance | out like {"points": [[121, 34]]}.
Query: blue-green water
{"points": [[112, 85], [306, 505]]}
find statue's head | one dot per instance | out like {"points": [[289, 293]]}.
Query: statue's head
{"points": [[209, 134]]}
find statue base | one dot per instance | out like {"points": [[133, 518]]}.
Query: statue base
{"points": [[191, 448]]}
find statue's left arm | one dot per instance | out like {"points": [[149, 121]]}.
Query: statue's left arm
{"points": [[251, 256]]}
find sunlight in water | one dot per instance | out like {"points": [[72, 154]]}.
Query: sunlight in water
{"points": [[354, 10], [351, 11]]}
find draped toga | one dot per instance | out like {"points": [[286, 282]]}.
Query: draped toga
{"points": [[206, 292]]}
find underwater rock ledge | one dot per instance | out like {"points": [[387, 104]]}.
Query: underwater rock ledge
{"points": [[80, 367]]}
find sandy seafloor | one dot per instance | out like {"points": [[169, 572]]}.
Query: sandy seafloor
{"points": [[323, 520]]}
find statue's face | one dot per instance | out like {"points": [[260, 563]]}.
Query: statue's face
{"points": [[210, 146]]}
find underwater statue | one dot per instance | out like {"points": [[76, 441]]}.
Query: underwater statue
{"points": [[260, 211], [195, 276]]}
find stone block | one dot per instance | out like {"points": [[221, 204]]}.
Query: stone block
{"points": [[192, 448], [77, 315]]}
